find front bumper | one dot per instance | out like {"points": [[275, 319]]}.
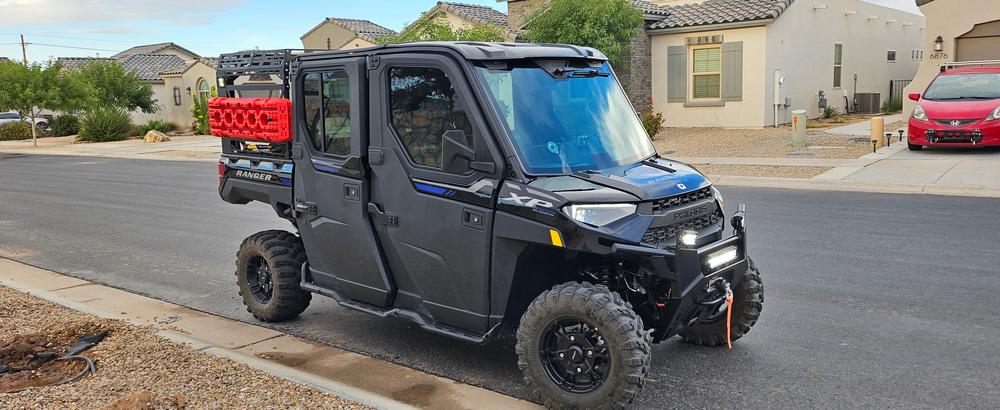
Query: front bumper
{"points": [[933, 134], [691, 276]]}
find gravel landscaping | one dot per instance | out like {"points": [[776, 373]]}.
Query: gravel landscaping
{"points": [[755, 143], [136, 369], [761, 170]]}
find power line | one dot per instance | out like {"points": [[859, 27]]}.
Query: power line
{"points": [[74, 47]]}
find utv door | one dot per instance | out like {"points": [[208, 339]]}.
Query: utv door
{"points": [[331, 194], [434, 225]]}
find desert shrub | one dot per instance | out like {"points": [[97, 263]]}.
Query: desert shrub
{"points": [[158, 125], [653, 122], [829, 112], [105, 124], [15, 131], [63, 125]]}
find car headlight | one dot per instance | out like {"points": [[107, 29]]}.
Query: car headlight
{"points": [[995, 115], [919, 113], [599, 214]]}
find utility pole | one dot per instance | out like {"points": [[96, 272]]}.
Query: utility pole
{"points": [[34, 132]]}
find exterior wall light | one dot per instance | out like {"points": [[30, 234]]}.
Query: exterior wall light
{"points": [[939, 44]]}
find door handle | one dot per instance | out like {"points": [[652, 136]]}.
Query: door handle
{"points": [[308, 208], [390, 220]]}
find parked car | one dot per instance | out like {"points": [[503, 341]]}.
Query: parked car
{"points": [[960, 108], [10, 116]]}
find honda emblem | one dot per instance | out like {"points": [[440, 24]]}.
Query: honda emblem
{"points": [[955, 123]]}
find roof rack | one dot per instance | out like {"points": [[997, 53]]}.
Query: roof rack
{"points": [[255, 63], [981, 63]]}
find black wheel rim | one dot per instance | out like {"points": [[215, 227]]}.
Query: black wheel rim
{"points": [[259, 279], [575, 355]]}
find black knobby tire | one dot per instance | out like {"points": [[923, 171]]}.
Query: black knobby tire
{"points": [[280, 254], [748, 301], [627, 345], [914, 147]]}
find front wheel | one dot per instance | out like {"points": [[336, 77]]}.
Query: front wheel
{"points": [[581, 345], [268, 273]]}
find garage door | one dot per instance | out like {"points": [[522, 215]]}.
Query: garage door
{"points": [[982, 43]]}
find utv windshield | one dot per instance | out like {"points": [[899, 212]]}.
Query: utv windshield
{"points": [[567, 118], [985, 86]]}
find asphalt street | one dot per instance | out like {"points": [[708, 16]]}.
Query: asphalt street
{"points": [[871, 300]]}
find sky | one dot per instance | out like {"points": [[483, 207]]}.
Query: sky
{"points": [[207, 27]]}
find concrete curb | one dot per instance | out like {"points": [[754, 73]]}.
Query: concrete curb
{"points": [[856, 186], [347, 374]]}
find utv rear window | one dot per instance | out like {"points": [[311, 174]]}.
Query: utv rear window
{"points": [[327, 102]]}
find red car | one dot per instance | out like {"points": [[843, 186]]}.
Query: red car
{"points": [[960, 108]]}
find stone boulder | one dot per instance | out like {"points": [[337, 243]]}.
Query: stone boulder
{"points": [[154, 136]]}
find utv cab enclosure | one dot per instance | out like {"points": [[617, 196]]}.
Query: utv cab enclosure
{"points": [[481, 190]]}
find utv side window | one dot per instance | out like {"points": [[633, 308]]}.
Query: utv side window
{"points": [[327, 102], [423, 107]]}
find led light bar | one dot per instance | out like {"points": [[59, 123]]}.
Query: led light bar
{"points": [[723, 257]]}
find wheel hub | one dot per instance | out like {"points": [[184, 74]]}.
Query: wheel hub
{"points": [[259, 281], [575, 356]]}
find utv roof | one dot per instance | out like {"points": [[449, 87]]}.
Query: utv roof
{"points": [[481, 51]]}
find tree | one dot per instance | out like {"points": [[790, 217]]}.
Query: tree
{"points": [[29, 88], [607, 25], [118, 88], [434, 30]]}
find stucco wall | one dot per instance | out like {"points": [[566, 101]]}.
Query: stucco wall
{"points": [[179, 115], [801, 42], [339, 37], [164, 100], [948, 19], [747, 113]]}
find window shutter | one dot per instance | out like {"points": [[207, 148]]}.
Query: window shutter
{"points": [[732, 71], [677, 74]]}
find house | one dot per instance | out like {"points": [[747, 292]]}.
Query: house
{"points": [[957, 30], [718, 63], [461, 15], [173, 72], [344, 34]]}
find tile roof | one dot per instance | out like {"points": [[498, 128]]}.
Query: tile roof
{"points": [[650, 8], [721, 12], [151, 49], [75, 63], [476, 13], [363, 28], [211, 62], [149, 66]]}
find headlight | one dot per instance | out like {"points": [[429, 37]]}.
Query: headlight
{"points": [[995, 115], [599, 214], [919, 113]]}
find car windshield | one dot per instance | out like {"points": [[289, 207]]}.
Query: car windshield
{"points": [[565, 119], [979, 86]]}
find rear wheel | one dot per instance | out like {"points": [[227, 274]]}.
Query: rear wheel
{"points": [[268, 272], [914, 147], [580, 345], [748, 301]]}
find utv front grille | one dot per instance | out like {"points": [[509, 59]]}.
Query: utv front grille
{"points": [[656, 236], [662, 205]]}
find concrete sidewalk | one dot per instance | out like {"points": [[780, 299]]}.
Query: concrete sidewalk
{"points": [[349, 375], [862, 128]]}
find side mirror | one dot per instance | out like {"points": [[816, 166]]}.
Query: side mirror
{"points": [[455, 155], [914, 96]]}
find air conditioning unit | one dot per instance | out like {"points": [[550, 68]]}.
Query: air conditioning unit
{"points": [[867, 103]]}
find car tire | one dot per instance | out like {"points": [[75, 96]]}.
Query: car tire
{"points": [[748, 302], [914, 147], [604, 324], [268, 274]]}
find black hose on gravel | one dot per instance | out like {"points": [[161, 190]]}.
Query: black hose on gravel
{"points": [[72, 353]]}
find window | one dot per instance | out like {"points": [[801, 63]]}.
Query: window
{"points": [[204, 90], [890, 56], [9, 116], [326, 98], [423, 106], [707, 73], [838, 65], [177, 96]]}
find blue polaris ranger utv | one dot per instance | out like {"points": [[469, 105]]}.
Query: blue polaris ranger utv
{"points": [[481, 190]]}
